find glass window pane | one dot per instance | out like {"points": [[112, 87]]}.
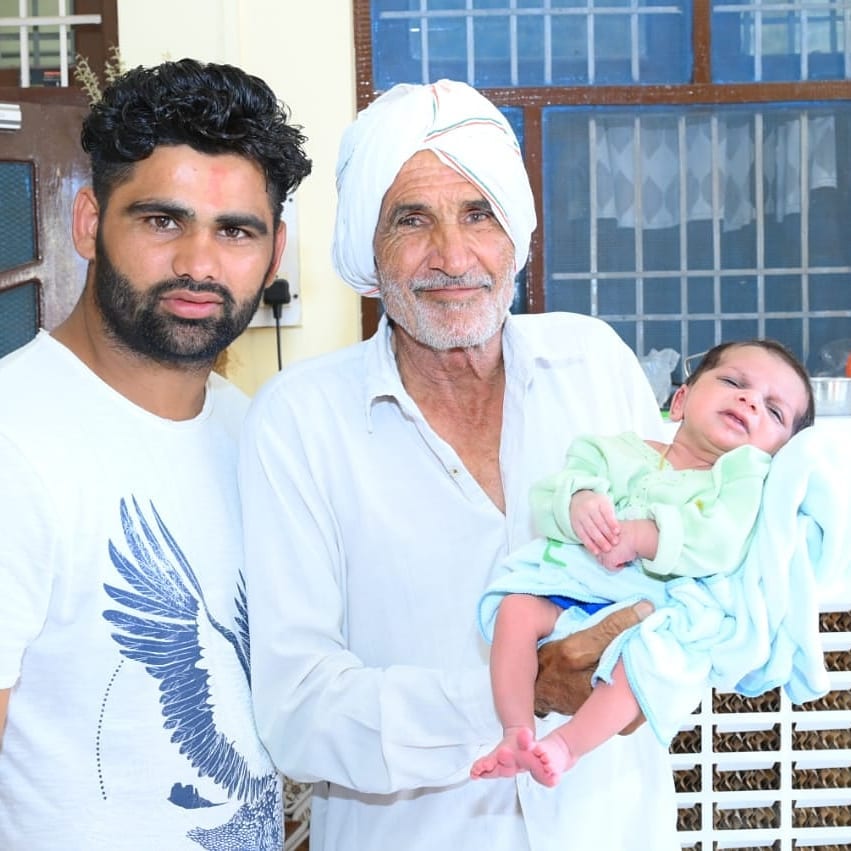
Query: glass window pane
{"points": [[701, 337], [782, 293], [626, 331], [662, 295], [396, 52], [17, 215], [831, 293], [739, 294], [531, 63], [445, 48], [617, 296], [741, 329], [661, 335], [573, 296], [613, 51], [792, 40], [788, 329], [570, 57], [493, 50], [823, 332], [18, 316], [700, 295]]}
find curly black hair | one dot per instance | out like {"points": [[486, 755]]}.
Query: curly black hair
{"points": [[212, 108]]}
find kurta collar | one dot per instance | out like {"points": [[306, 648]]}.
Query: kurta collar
{"points": [[383, 381], [521, 350]]}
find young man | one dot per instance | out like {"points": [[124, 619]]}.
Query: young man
{"points": [[396, 473], [124, 645]]}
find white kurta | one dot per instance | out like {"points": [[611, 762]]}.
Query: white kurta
{"points": [[368, 546]]}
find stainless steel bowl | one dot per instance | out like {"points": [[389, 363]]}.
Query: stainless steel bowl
{"points": [[832, 395]]}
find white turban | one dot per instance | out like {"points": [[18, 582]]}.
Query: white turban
{"points": [[463, 129]]}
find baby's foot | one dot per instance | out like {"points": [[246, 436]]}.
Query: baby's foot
{"points": [[546, 760], [502, 760]]}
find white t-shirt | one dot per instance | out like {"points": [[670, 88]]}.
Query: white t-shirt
{"points": [[368, 546], [123, 634]]}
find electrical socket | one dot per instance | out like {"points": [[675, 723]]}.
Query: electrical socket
{"points": [[289, 269]]}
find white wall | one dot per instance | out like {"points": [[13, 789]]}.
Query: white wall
{"points": [[304, 50]]}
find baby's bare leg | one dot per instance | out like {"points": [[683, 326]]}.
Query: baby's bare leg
{"points": [[522, 620], [610, 708]]}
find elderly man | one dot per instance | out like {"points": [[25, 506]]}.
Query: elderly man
{"points": [[384, 484]]}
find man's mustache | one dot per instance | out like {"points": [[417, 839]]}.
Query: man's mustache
{"points": [[187, 284], [447, 283]]}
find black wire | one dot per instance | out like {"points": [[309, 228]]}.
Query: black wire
{"points": [[276, 295]]}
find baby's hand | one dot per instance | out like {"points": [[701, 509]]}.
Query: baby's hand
{"points": [[619, 555], [638, 539], [592, 517]]}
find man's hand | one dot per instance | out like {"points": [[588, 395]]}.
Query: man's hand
{"points": [[565, 666]]}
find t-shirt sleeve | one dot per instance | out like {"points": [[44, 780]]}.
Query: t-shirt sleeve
{"points": [[26, 549]]}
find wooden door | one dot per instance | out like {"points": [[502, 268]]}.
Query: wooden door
{"points": [[41, 168]]}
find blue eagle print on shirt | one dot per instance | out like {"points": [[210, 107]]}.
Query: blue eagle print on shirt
{"points": [[164, 624]]}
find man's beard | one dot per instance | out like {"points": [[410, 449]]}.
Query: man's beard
{"points": [[449, 325], [135, 322]]}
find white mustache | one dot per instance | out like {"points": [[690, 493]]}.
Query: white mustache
{"points": [[446, 283]]}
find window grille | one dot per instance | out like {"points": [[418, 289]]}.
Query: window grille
{"points": [[682, 228], [36, 43], [542, 42]]}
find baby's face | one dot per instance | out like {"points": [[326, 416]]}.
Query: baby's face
{"points": [[752, 397]]}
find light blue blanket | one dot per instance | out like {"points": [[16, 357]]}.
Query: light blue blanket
{"points": [[748, 631]]}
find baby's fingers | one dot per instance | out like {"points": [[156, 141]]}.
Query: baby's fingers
{"points": [[597, 536]]}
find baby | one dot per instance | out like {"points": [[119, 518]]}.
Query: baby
{"points": [[685, 509]]}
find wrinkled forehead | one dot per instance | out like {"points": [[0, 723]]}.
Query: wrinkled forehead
{"points": [[425, 181]]}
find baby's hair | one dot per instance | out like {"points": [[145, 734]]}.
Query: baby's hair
{"points": [[713, 357]]}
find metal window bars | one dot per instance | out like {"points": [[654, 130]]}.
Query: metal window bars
{"points": [[27, 23]]}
